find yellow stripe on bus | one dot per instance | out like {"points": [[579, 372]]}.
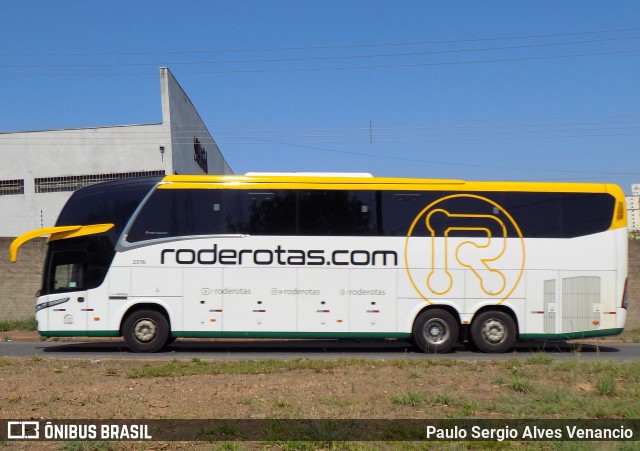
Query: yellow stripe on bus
{"points": [[57, 233]]}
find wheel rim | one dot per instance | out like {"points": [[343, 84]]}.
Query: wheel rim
{"points": [[145, 330], [435, 331], [494, 331]]}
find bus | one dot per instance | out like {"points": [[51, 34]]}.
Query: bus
{"points": [[327, 256]]}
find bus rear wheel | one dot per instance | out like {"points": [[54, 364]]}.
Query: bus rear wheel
{"points": [[435, 331], [145, 331], [493, 331]]}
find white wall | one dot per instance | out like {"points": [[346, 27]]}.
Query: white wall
{"points": [[82, 151], [62, 153], [97, 151], [634, 220]]}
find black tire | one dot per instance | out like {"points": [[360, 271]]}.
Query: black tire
{"points": [[145, 331], [435, 331], [493, 331]]}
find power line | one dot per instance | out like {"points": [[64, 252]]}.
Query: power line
{"points": [[444, 163], [330, 68], [323, 46], [314, 58]]}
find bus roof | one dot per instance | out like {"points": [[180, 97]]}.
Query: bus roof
{"points": [[359, 181]]}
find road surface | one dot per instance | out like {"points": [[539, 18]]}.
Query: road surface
{"points": [[313, 349]]}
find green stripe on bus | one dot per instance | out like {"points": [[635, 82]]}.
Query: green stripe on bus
{"points": [[232, 334], [572, 335], [80, 333]]}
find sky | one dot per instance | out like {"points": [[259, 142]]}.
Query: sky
{"points": [[476, 90]]}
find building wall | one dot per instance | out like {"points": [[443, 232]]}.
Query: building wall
{"points": [[633, 208], [92, 153], [20, 280], [33, 156], [190, 138], [633, 321]]}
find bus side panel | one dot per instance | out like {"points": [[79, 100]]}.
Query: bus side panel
{"points": [[573, 286], [323, 300], [372, 300], [202, 301], [156, 286], [622, 257], [542, 309], [259, 300]]}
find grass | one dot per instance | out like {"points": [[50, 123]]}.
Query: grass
{"points": [[411, 398], [90, 446], [443, 399], [7, 325], [282, 403], [635, 335], [519, 387], [539, 358], [606, 385], [534, 388], [470, 408], [520, 384], [197, 367]]}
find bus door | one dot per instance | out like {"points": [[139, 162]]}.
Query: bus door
{"points": [[68, 292]]}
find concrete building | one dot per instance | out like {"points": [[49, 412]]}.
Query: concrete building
{"points": [[633, 208], [40, 169]]}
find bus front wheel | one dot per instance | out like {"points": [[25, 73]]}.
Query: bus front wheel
{"points": [[435, 330], [145, 331], [493, 331]]}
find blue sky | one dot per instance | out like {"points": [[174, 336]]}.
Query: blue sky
{"points": [[476, 90]]}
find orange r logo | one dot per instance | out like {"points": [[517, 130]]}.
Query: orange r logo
{"points": [[464, 234]]}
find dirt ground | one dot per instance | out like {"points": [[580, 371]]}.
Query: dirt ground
{"points": [[43, 389], [70, 389]]}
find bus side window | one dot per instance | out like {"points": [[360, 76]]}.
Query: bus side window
{"points": [[264, 213], [336, 212], [398, 210], [154, 219]]}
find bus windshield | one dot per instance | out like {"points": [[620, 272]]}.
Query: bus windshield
{"points": [[82, 263]]}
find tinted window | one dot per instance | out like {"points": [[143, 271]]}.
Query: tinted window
{"points": [[171, 213], [399, 209], [82, 263], [336, 212], [77, 263], [538, 215], [264, 212], [583, 214], [105, 203]]}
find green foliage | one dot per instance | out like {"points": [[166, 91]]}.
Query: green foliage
{"points": [[521, 384], [17, 324], [411, 398], [606, 385], [89, 446], [197, 367], [539, 358], [470, 407], [442, 399]]}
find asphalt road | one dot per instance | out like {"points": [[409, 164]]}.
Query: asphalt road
{"points": [[313, 349]]}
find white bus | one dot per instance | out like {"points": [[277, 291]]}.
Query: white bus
{"points": [[327, 256]]}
